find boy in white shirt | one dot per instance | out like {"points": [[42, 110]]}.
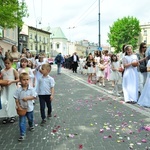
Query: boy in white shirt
{"points": [[45, 90], [24, 97]]}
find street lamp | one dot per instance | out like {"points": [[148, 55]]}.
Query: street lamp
{"points": [[99, 35], [36, 46]]}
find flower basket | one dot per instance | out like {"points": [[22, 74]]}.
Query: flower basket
{"points": [[21, 112], [135, 63], [102, 69], [121, 69]]}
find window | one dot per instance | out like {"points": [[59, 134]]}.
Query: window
{"points": [[57, 45], [145, 32], [7, 33], [13, 33], [30, 36], [31, 47]]}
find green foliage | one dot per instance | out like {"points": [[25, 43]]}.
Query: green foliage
{"points": [[12, 13], [124, 31]]}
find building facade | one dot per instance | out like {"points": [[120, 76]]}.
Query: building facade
{"points": [[58, 42], [38, 40], [8, 37], [145, 34]]}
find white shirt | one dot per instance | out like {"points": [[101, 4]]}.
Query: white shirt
{"points": [[44, 85], [74, 58]]}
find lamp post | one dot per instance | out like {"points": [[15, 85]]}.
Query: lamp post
{"points": [[99, 35], [18, 30], [36, 46]]}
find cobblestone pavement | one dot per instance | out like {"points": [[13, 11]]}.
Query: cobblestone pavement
{"points": [[85, 117]]}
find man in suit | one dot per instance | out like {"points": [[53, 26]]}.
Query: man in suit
{"points": [[75, 60]]}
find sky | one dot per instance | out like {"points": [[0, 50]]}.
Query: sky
{"points": [[78, 19]]}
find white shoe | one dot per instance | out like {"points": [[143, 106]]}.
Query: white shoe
{"points": [[118, 94], [100, 84]]}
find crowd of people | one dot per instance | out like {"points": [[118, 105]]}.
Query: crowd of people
{"points": [[129, 68], [23, 78]]}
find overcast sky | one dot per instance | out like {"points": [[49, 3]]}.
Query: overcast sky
{"points": [[78, 19]]}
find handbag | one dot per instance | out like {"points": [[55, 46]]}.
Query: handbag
{"points": [[85, 66], [142, 68]]}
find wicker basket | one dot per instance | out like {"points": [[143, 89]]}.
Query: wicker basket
{"points": [[102, 69], [21, 112], [120, 69]]}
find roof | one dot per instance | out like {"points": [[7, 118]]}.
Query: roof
{"points": [[57, 33], [40, 30]]}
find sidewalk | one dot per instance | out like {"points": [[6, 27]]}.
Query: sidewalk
{"points": [[85, 117]]}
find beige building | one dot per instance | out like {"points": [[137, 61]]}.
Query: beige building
{"points": [[38, 40], [80, 48], [145, 34], [8, 37]]}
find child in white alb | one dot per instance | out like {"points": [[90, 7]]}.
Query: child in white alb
{"points": [[101, 74], [115, 74]]}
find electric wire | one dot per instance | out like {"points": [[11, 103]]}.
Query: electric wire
{"points": [[83, 15], [34, 9], [76, 23]]}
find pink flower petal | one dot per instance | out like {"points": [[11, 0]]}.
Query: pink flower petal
{"points": [[80, 146], [144, 141]]}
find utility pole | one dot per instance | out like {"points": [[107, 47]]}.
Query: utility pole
{"points": [[36, 46], [99, 35], [18, 39], [18, 30]]}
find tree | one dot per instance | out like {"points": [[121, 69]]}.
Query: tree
{"points": [[124, 31], [12, 13]]}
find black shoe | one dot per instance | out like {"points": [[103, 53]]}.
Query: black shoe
{"points": [[31, 129], [133, 102], [21, 138], [5, 120], [12, 120], [50, 115], [43, 122]]}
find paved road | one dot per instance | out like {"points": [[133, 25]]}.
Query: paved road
{"points": [[84, 117]]}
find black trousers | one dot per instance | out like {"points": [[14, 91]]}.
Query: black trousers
{"points": [[74, 67], [45, 99]]}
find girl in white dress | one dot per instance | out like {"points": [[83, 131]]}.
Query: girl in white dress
{"points": [[8, 103], [101, 73], [32, 80], [24, 68], [115, 75], [91, 67], [97, 57], [144, 99], [81, 64], [39, 62], [130, 76]]}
